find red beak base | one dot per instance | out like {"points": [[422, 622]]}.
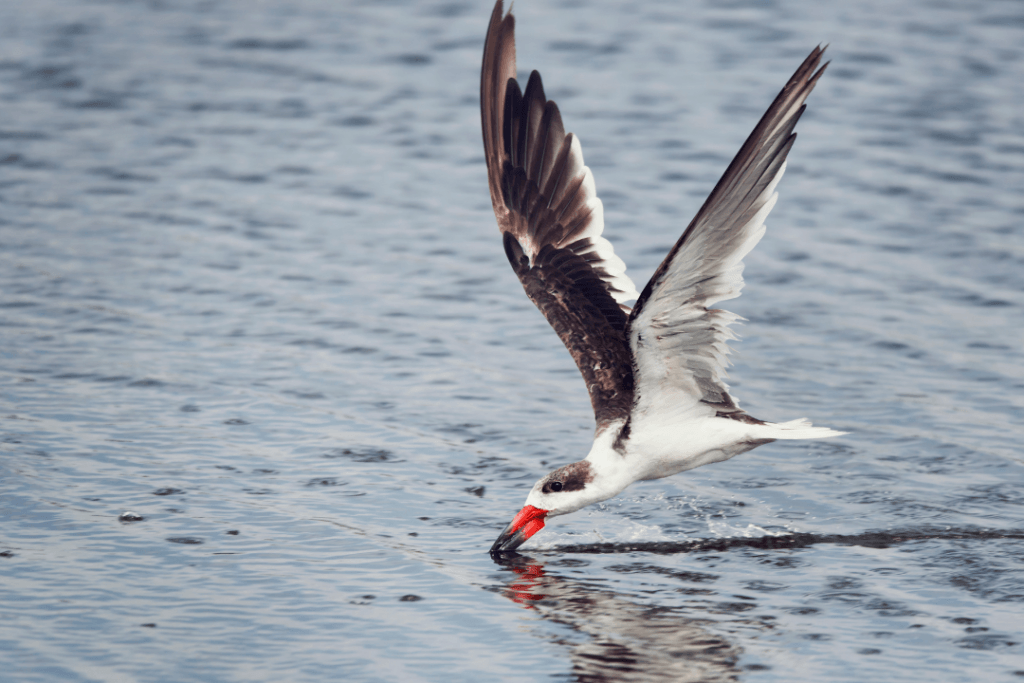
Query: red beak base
{"points": [[529, 521]]}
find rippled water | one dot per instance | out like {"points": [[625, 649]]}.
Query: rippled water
{"points": [[251, 290]]}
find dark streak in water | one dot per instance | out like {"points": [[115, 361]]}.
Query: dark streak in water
{"points": [[871, 539]]}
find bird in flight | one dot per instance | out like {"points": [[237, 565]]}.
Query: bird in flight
{"points": [[655, 369]]}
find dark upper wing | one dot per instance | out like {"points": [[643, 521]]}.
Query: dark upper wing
{"points": [[678, 342], [551, 222]]}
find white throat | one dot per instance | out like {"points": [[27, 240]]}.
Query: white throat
{"points": [[612, 470]]}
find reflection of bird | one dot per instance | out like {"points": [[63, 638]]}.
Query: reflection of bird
{"points": [[624, 640], [654, 371]]}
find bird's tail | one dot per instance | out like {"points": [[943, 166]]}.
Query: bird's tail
{"points": [[796, 429]]}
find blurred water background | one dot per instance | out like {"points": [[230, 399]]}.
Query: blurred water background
{"points": [[251, 290]]}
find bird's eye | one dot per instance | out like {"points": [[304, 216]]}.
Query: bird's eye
{"points": [[556, 486]]}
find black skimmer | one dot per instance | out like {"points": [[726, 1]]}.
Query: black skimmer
{"points": [[655, 369]]}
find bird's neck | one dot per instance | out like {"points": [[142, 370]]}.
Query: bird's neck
{"points": [[612, 470]]}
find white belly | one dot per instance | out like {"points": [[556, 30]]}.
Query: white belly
{"points": [[659, 449]]}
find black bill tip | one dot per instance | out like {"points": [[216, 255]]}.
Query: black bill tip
{"points": [[508, 540]]}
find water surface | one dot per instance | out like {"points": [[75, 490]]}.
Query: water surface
{"points": [[251, 290]]}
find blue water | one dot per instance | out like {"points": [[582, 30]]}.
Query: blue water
{"points": [[252, 291]]}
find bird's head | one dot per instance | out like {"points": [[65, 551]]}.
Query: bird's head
{"points": [[565, 490]]}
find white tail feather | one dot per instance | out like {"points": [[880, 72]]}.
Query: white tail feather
{"points": [[796, 429]]}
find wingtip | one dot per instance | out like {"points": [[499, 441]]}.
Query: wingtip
{"points": [[499, 9]]}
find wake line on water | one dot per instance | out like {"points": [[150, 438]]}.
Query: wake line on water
{"points": [[869, 539]]}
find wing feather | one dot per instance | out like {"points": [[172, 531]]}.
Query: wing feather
{"points": [[679, 344], [551, 220]]}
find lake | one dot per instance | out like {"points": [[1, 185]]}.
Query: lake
{"points": [[253, 294]]}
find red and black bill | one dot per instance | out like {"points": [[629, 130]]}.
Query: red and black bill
{"points": [[529, 521]]}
